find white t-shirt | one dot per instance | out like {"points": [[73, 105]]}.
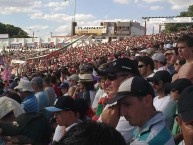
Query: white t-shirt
{"points": [[167, 106]]}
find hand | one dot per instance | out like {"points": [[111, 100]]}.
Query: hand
{"points": [[111, 115]]}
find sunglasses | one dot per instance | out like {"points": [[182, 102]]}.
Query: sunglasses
{"points": [[141, 65]]}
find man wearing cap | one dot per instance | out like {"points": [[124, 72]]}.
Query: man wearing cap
{"points": [[175, 89], [66, 115], [160, 62], [185, 115], [118, 71], [163, 102], [73, 79], [64, 88], [37, 84], [135, 101], [25, 90], [185, 50]]}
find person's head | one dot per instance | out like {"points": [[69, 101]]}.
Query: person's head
{"points": [[64, 87], [86, 82], [46, 82], [92, 133], [65, 111], [135, 97], [24, 88], [185, 46], [73, 79], [159, 80], [9, 109], [185, 114], [159, 60], [170, 56], [176, 87], [101, 82], [37, 83], [28, 128], [118, 71], [145, 66], [179, 62]]}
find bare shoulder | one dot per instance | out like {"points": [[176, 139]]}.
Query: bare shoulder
{"points": [[186, 71]]}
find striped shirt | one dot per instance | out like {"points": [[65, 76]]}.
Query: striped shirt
{"points": [[30, 104], [154, 132]]}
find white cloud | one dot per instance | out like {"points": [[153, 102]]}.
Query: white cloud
{"points": [[175, 4], [122, 1], [152, 1], [61, 17], [156, 8], [56, 6], [19, 6]]}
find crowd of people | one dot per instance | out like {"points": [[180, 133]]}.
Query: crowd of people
{"points": [[134, 91]]}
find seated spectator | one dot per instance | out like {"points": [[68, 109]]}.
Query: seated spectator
{"points": [[25, 90]]}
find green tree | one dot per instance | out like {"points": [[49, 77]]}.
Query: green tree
{"points": [[180, 26], [14, 32]]}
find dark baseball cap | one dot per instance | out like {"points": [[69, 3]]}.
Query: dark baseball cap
{"points": [[63, 103], [161, 75], [135, 86], [185, 104], [179, 85], [64, 85], [123, 65]]}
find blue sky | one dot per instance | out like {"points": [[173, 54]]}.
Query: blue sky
{"points": [[45, 16]]}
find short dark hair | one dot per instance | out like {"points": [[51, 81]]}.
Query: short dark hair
{"points": [[92, 133], [186, 38], [147, 61]]}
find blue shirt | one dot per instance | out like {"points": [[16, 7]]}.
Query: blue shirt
{"points": [[42, 99], [30, 103]]}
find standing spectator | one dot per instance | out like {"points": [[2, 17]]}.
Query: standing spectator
{"points": [[66, 115], [25, 90], [85, 88], [64, 88], [118, 71], [177, 65], [176, 89], [146, 66], [185, 47], [49, 90], [55, 86], [135, 101], [185, 114], [73, 79], [37, 84], [159, 62], [163, 102]]}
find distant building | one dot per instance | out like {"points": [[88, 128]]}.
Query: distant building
{"points": [[113, 29]]}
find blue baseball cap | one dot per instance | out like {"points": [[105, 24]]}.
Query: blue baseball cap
{"points": [[63, 103]]}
